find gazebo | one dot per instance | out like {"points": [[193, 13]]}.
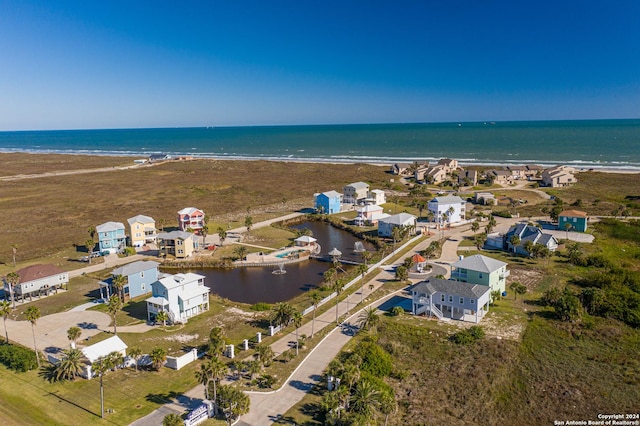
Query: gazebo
{"points": [[419, 262], [304, 241]]}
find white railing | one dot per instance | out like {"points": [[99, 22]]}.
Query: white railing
{"points": [[437, 312]]}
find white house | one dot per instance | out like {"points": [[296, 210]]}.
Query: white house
{"points": [[355, 192], [101, 349], [449, 209], [36, 280], [181, 295], [450, 299], [370, 214], [402, 220], [377, 197]]}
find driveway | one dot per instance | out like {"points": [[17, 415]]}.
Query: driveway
{"points": [[51, 330]]}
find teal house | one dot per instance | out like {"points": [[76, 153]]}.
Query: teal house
{"points": [[481, 270], [111, 237], [573, 220]]}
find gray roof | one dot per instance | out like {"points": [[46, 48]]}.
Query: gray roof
{"points": [[448, 199], [135, 267], [359, 185], [458, 288], [140, 218], [174, 235], [480, 263], [398, 219], [109, 227], [331, 194]]}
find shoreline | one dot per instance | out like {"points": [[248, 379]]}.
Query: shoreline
{"points": [[580, 168]]}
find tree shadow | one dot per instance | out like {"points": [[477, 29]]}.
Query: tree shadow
{"points": [[262, 323], [300, 385], [87, 325], [162, 398]]}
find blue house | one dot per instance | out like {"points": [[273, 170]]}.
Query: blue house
{"points": [[111, 237], [328, 202], [139, 277]]}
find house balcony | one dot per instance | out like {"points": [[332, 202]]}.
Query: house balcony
{"points": [[505, 274]]}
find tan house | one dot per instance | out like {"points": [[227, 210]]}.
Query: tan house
{"points": [[518, 172], [401, 169], [179, 244], [142, 230], [559, 176], [468, 177], [501, 177]]}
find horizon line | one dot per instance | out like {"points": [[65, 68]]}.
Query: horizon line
{"points": [[381, 123]]}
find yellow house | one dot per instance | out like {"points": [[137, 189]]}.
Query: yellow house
{"points": [[179, 244], [142, 230]]}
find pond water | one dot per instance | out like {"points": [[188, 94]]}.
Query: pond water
{"points": [[260, 284]]}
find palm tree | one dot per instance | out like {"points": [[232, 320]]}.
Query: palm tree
{"points": [[217, 343], [297, 322], [365, 399], [5, 310], [101, 366], [248, 222], [135, 353], [233, 402], [89, 244], [158, 356], [14, 249], [218, 370], [119, 281], [33, 314], [514, 240], [284, 203], [73, 334], [161, 223], [529, 247], [70, 366], [329, 276], [388, 405], [282, 314], [369, 319], [222, 235], [338, 286], [117, 359], [203, 376], [315, 297], [362, 270], [253, 367], [241, 252], [162, 316], [172, 419], [204, 230], [13, 279], [113, 306], [396, 234], [264, 354], [475, 226]]}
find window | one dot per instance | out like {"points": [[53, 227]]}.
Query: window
{"points": [[480, 275], [180, 252], [442, 298], [141, 274], [575, 219], [143, 286], [461, 300], [450, 299], [472, 301]]}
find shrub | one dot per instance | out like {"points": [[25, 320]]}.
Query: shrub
{"points": [[462, 337], [501, 213], [396, 310], [17, 358], [260, 306], [129, 251], [476, 331], [375, 359]]}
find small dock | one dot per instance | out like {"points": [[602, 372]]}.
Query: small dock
{"points": [[330, 259]]}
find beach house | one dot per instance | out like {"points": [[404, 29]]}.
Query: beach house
{"points": [[142, 230], [191, 219], [526, 233], [182, 296], [574, 220], [36, 280], [100, 350], [376, 196], [559, 176], [369, 215], [468, 177], [328, 202], [139, 277], [481, 270], [111, 237], [450, 299], [447, 209], [355, 193], [401, 220], [179, 244]]}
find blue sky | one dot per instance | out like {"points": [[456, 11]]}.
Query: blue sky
{"points": [[111, 64]]}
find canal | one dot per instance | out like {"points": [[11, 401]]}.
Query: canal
{"points": [[260, 284]]}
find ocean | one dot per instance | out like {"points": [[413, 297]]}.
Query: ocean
{"points": [[585, 144]]}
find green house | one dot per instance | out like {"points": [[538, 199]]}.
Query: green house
{"points": [[481, 270], [572, 220]]}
